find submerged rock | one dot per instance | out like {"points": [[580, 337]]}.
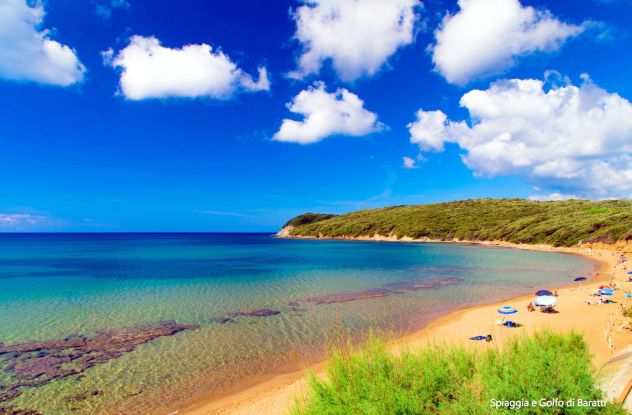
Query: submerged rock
{"points": [[346, 297], [33, 364], [223, 320], [260, 312], [424, 284], [10, 410], [84, 395], [232, 316], [394, 288]]}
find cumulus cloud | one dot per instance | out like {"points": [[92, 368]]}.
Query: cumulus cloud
{"points": [[486, 36], [356, 36], [27, 52], [566, 138], [326, 114], [428, 131], [150, 70], [409, 162]]}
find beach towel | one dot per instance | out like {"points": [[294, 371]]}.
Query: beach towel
{"points": [[477, 338]]}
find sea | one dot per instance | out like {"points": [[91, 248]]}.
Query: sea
{"points": [[249, 307]]}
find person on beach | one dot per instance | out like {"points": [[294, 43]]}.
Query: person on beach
{"points": [[530, 307]]}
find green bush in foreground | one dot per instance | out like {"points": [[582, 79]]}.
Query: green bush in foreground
{"points": [[450, 381]]}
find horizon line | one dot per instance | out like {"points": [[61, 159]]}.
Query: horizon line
{"points": [[137, 232]]}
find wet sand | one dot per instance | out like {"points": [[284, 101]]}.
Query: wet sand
{"points": [[600, 324]]}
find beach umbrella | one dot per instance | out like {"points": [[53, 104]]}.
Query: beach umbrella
{"points": [[629, 272], [606, 291], [507, 309], [580, 279], [543, 292], [545, 301]]}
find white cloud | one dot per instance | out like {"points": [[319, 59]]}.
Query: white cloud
{"points": [[326, 114], [150, 70], [428, 131], [19, 220], [409, 163], [356, 36], [566, 138], [486, 36], [27, 52]]}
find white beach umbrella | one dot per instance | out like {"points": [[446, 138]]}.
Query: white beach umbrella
{"points": [[545, 301]]}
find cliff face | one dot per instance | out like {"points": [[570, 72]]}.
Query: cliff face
{"points": [[285, 231], [518, 221], [302, 220]]}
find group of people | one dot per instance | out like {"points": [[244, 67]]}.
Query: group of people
{"points": [[602, 300]]}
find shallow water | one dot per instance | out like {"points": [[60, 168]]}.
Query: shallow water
{"points": [[53, 286]]}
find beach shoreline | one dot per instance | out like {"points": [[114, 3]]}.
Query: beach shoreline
{"points": [[277, 394]]}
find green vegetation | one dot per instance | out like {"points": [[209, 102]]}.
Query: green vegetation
{"points": [[307, 218], [453, 381], [560, 223]]}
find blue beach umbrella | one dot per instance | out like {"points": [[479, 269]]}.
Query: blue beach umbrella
{"points": [[629, 272], [543, 292], [606, 291], [507, 309]]}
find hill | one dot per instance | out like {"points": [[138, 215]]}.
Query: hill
{"points": [[557, 223]]}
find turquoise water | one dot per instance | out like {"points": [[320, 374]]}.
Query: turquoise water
{"points": [[53, 286]]}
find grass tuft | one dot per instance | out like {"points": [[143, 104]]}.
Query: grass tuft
{"points": [[455, 381]]}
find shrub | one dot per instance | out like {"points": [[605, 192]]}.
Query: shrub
{"points": [[454, 381]]}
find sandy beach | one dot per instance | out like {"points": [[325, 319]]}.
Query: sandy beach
{"points": [[601, 325]]}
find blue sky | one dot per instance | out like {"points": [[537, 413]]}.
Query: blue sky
{"points": [[234, 116]]}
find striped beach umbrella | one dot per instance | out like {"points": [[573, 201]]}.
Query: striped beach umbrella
{"points": [[507, 309]]}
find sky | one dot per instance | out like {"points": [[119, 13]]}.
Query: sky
{"points": [[138, 115]]}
